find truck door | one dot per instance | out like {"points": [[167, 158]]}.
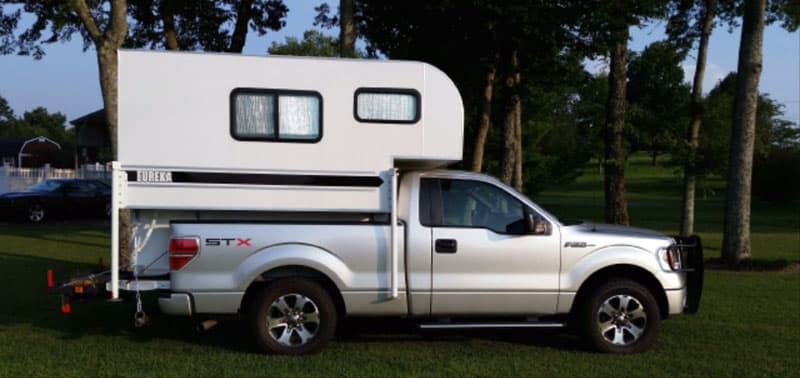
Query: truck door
{"points": [[485, 260]]}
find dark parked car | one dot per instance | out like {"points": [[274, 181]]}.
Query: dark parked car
{"points": [[73, 198]]}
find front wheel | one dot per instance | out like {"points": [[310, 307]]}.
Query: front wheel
{"points": [[293, 316], [621, 316], [35, 213]]}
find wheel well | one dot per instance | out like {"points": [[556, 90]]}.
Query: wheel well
{"points": [[630, 272], [295, 271]]}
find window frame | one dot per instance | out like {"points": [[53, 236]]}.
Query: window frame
{"points": [[388, 90], [431, 206], [276, 93]]}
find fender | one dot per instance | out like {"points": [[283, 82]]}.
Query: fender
{"points": [[573, 277], [299, 254]]}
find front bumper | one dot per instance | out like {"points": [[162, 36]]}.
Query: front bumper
{"points": [[676, 300]]}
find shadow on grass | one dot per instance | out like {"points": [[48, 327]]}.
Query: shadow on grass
{"points": [[31, 305]]}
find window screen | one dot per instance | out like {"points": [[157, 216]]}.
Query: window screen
{"points": [[387, 105], [299, 117], [255, 115], [256, 112]]}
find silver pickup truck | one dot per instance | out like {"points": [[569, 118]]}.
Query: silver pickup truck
{"points": [[473, 253]]}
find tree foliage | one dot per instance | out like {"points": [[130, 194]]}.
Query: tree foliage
{"points": [[40, 122], [208, 25], [658, 98], [314, 43], [772, 131], [480, 37]]}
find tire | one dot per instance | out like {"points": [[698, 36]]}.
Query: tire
{"points": [[288, 306], [620, 316], [35, 213]]}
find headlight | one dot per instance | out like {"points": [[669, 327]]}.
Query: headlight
{"points": [[670, 258]]}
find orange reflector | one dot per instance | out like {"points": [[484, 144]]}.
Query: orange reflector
{"points": [[78, 289]]}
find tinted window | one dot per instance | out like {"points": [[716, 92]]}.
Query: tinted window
{"points": [[468, 203], [46, 186]]}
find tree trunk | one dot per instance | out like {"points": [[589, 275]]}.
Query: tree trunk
{"points": [[243, 15], [483, 127], [736, 239], [170, 35], [517, 126], [509, 126], [616, 205], [107, 63], [347, 34], [106, 43], [695, 121]]}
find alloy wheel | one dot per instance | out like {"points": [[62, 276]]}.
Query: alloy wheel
{"points": [[293, 320], [621, 319]]}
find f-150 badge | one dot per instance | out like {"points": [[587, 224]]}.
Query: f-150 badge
{"points": [[577, 245]]}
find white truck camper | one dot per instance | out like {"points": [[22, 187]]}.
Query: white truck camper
{"points": [[292, 192], [223, 133]]}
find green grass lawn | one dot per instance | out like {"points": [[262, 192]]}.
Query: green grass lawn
{"points": [[748, 325], [654, 197]]}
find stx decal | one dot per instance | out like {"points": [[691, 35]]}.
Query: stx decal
{"points": [[216, 242]]}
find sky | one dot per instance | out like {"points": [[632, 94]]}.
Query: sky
{"points": [[66, 79]]}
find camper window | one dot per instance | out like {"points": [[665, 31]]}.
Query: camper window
{"points": [[256, 112], [387, 105]]}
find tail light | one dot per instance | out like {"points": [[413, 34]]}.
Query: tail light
{"points": [[181, 251]]}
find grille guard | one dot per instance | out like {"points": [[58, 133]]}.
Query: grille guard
{"points": [[691, 254]]}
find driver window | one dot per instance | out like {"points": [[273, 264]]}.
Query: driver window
{"points": [[476, 204]]}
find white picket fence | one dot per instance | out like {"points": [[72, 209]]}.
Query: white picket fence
{"points": [[14, 179]]}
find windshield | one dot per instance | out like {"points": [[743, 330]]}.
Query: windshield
{"points": [[46, 186]]}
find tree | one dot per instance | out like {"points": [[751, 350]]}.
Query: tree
{"points": [[105, 25], [347, 32], [714, 147], [657, 98], [693, 21], [605, 27], [510, 141], [202, 24], [485, 120], [314, 43], [736, 238], [6, 113], [481, 38], [40, 122], [704, 12]]}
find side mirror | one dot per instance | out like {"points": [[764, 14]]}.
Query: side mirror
{"points": [[536, 225]]}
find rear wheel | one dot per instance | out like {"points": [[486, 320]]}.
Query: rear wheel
{"points": [[35, 213], [620, 316], [293, 316]]}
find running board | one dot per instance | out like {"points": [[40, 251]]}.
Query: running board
{"points": [[491, 325]]}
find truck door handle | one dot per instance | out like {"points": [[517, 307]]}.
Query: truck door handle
{"points": [[446, 245]]}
